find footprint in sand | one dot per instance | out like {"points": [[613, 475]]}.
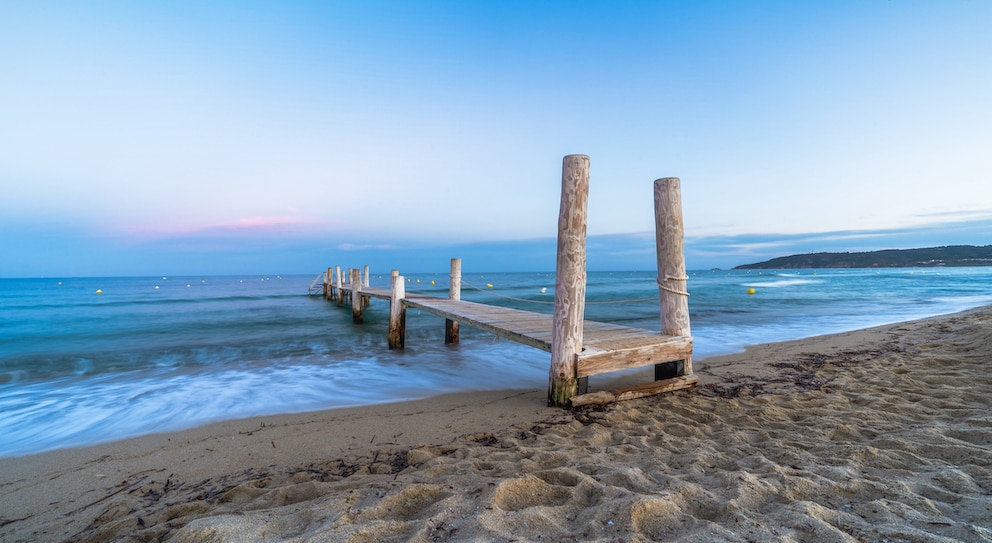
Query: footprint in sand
{"points": [[529, 491], [412, 502]]}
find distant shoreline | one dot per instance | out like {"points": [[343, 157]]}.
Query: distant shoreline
{"points": [[954, 256]]}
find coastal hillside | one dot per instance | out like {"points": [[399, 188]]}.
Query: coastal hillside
{"points": [[954, 255]]}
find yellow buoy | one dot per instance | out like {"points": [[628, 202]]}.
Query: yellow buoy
{"points": [[490, 285], [432, 282], [98, 291], [750, 291]]}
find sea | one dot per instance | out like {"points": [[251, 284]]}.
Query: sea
{"points": [[90, 360]]}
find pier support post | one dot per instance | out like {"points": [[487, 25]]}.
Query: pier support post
{"points": [[454, 293], [570, 281], [672, 293], [337, 285], [356, 295], [328, 285], [366, 300], [397, 313]]}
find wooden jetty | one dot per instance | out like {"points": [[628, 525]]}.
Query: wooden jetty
{"points": [[579, 348]]}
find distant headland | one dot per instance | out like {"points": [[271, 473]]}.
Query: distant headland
{"points": [[953, 255]]}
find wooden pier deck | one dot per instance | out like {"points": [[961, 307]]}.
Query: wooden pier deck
{"points": [[605, 347]]}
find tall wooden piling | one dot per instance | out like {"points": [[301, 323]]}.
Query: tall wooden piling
{"points": [[337, 285], [454, 293], [328, 285], [366, 301], [570, 281], [672, 278], [396, 337], [356, 294]]}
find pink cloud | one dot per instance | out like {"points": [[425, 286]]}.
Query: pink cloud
{"points": [[270, 224], [243, 226]]}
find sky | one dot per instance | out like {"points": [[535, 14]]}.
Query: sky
{"points": [[150, 138]]}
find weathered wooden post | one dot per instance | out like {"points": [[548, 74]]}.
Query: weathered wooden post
{"points": [[337, 281], [356, 294], [397, 313], [328, 285], [454, 293], [674, 298], [570, 281], [366, 300]]}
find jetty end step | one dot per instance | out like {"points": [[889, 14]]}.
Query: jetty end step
{"points": [[636, 391]]}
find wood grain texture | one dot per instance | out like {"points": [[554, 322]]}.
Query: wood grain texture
{"points": [[634, 354], [674, 304], [636, 391], [396, 336], [570, 280], [328, 284], [672, 279], [356, 295], [454, 293]]}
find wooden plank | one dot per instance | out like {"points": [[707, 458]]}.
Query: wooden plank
{"points": [[665, 349], [482, 316], [381, 293], [641, 337], [636, 391]]}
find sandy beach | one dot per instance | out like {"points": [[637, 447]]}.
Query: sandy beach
{"points": [[883, 434]]}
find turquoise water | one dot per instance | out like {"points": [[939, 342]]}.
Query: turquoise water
{"points": [[154, 354]]}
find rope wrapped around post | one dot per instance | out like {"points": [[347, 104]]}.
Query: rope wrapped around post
{"points": [[666, 288]]}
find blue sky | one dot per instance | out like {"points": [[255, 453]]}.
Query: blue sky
{"points": [[176, 138]]}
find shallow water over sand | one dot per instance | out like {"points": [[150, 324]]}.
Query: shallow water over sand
{"points": [[156, 354]]}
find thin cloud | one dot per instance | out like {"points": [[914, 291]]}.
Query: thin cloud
{"points": [[964, 215], [261, 225]]}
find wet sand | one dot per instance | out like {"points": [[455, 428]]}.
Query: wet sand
{"points": [[883, 434]]}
